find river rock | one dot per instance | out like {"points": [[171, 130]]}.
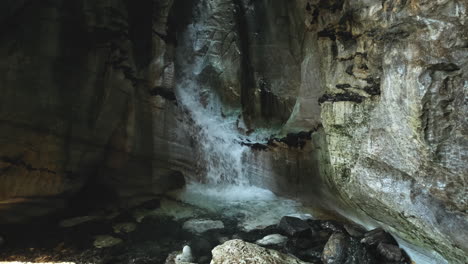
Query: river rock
{"points": [[237, 251], [274, 239], [335, 251], [292, 226], [199, 226]]}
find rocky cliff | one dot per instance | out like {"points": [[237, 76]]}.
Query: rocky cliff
{"points": [[365, 97]]}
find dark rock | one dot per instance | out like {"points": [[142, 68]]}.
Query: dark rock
{"points": [[300, 243], [151, 204], [204, 259], [294, 227], [331, 225], [255, 146], [376, 236], [339, 97], [349, 70], [312, 255], [359, 253], [335, 251], [201, 246], [294, 140], [355, 230], [164, 93], [390, 252], [327, 33], [177, 180], [449, 67], [343, 86]]}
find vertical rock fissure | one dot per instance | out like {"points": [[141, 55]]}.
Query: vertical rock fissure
{"points": [[247, 80]]}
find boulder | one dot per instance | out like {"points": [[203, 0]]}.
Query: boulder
{"points": [[335, 251], [237, 251], [292, 226], [390, 252]]}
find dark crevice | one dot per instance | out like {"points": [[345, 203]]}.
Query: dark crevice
{"points": [[164, 93], [449, 67], [293, 140], [247, 79], [340, 97], [140, 28]]}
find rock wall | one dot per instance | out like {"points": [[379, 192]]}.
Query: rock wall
{"points": [[394, 114], [86, 104]]}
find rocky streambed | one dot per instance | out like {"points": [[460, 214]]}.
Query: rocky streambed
{"points": [[168, 230]]}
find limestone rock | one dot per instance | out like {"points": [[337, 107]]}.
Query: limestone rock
{"points": [[237, 251]]}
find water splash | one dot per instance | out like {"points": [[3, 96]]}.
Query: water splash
{"points": [[253, 207]]}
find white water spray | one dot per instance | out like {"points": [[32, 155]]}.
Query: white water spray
{"points": [[220, 152]]}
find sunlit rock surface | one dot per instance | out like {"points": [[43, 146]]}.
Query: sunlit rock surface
{"points": [[397, 141], [238, 251]]}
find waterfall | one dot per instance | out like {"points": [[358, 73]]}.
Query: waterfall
{"points": [[214, 127], [220, 154]]}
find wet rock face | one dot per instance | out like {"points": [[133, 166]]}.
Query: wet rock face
{"points": [[86, 89], [393, 111]]}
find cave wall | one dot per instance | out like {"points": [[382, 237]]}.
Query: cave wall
{"points": [[87, 104]]}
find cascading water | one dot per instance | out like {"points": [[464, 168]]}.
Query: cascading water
{"points": [[220, 154], [222, 183]]}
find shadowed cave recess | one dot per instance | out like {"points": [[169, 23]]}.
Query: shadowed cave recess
{"points": [[233, 131]]}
